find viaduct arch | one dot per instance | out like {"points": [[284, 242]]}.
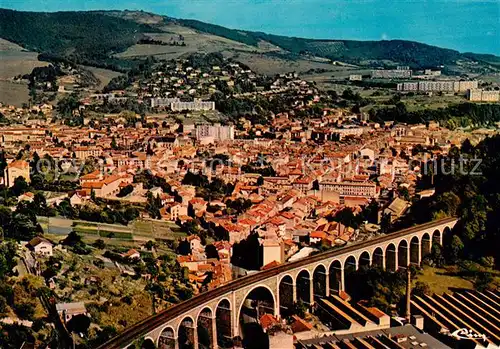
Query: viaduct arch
{"points": [[218, 311]]}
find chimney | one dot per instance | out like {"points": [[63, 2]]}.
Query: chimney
{"points": [[418, 322]]}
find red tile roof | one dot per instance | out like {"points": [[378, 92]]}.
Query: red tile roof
{"points": [[268, 320]]}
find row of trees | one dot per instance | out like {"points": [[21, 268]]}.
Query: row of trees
{"points": [[121, 214], [216, 188], [19, 295], [470, 191], [456, 115]]}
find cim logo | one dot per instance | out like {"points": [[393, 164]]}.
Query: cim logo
{"points": [[464, 333]]}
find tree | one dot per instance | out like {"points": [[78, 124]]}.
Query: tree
{"points": [[20, 186], [114, 145], [67, 105], [13, 336], [211, 251], [385, 222], [404, 193], [435, 258], [455, 249], [3, 163], [449, 202], [475, 217], [23, 227], [5, 216], [421, 289], [99, 243], [248, 253], [39, 204], [153, 206], [467, 147], [8, 261], [299, 309], [72, 239], [65, 209], [4, 267], [370, 212], [149, 245], [79, 323], [184, 248], [125, 191], [347, 218], [483, 281], [260, 181], [3, 305], [25, 310]]}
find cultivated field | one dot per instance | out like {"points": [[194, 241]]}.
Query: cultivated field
{"points": [[270, 64], [14, 60], [195, 42], [13, 93], [138, 231]]}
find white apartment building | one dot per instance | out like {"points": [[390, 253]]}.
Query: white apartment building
{"points": [[365, 189], [162, 102], [217, 132], [438, 86], [391, 73], [196, 105], [478, 95]]}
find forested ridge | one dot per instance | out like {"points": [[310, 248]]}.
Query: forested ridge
{"points": [[414, 54], [92, 37], [82, 37], [453, 116], [467, 186]]}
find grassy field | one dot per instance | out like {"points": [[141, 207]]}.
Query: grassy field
{"points": [[14, 60], [14, 63], [267, 64], [440, 282], [104, 75], [418, 102], [12, 93], [157, 230], [256, 58], [137, 232], [195, 42]]}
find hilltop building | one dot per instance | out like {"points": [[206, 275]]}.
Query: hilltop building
{"points": [[17, 168]]}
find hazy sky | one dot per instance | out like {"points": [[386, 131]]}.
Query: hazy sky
{"points": [[465, 25]]}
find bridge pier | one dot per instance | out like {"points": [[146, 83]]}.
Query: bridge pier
{"points": [[195, 337], [214, 332], [311, 290], [277, 302], [327, 287], [235, 316], [294, 289], [342, 279]]}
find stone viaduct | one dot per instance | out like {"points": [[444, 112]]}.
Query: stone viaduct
{"points": [[275, 290]]}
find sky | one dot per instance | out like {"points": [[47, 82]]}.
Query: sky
{"points": [[464, 25]]}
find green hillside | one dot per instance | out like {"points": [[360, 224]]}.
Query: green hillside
{"points": [[79, 35], [93, 37], [405, 52]]}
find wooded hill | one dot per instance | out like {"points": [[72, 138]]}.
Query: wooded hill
{"points": [[93, 37]]}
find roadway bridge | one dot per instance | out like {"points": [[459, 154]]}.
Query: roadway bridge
{"points": [[212, 318]]}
